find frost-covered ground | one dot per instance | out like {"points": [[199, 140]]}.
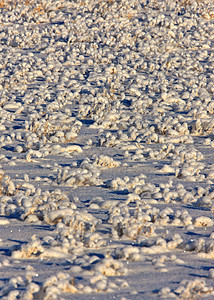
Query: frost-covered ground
{"points": [[106, 149]]}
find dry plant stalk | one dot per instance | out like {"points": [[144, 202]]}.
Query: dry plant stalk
{"points": [[1, 177]]}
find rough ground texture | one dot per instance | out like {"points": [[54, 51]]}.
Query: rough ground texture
{"points": [[106, 149]]}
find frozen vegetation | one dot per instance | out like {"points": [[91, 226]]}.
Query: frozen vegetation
{"points": [[106, 149]]}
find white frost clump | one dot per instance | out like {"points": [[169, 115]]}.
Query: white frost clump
{"points": [[85, 176], [126, 182], [191, 171], [53, 286], [205, 201], [99, 161], [203, 222], [29, 250], [10, 290], [125, 225], [110, 267], [93, 240], [202, 127], [128, 253], [105, 161], [54, 126], [188, 289], [38, 206], [47, 248], [7, 186], [56, 216]]}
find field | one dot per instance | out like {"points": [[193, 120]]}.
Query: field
{"points": [[106, 149]]}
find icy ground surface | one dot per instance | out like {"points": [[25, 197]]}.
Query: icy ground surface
{"points": [[106, 149]]}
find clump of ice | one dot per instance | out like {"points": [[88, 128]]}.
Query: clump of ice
{"points": [[126, 182], [105, 161], [84, 176], [188, 289]]}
